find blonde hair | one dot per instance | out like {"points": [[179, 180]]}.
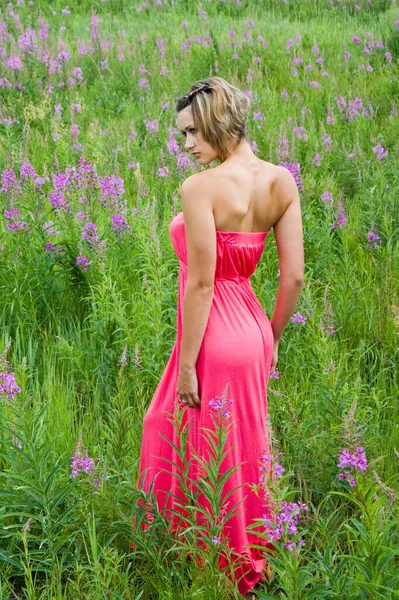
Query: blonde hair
{"points": [[220, 111]]}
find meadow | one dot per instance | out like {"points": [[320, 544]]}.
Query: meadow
{"points": [[91, 163]]}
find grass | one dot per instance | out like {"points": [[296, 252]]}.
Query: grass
{"points": [[87, 347]]}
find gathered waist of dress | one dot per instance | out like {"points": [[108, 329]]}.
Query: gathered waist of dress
{"points": [[219, 279]]}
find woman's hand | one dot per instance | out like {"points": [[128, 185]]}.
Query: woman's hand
{"points": [[275, 357], [187, 387]]}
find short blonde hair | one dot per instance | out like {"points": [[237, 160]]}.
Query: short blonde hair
{"points": [[220, 111]]}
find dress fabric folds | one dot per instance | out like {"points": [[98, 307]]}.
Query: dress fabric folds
{"points": [[235, 354]]}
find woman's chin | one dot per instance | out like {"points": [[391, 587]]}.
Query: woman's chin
{"points": [[201, 161]]}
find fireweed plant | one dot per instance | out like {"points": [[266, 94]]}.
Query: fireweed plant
{"points": [[91, 162], [297, 566], [283, 529], [201, 507]]}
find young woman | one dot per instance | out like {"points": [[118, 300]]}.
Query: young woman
{"points": [[226, 346]]}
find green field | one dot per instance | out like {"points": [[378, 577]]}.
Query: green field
{"points": [[91, 163]]}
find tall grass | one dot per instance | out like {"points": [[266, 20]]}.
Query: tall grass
{"points": [[88, 315]]}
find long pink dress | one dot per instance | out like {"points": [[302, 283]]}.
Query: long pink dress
{"points": [[236, 350]]}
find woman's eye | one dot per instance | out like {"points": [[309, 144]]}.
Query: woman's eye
{"points": [[183, 134]]}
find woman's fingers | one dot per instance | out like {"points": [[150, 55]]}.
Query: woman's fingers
{"points": [[193, 401], [196, 400]]}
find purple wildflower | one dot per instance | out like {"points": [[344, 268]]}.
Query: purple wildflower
{"points": [[220, 405], [353, 458], [301, 133], [354, 108], [15, 225], [10, 214], [173, 146], [59, 202], [286, 524], [50, 247], [316, 160], [163, 171], [266, 463], [8, 385], [111, 189], [74, 129], [47, 227], [119, 225], [380, 152], [54, 249], [295, 170], [89, 233], [183, 161], [373, 238], [259, 116], [9, 182], [83, 261], [341, 218], [81, 462], [283, 151], [278, 470], [327, 196], [298, 318], [216, 540], [327, 141], [152, 126]]}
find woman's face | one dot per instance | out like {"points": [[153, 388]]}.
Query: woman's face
{"points": [[194, 142]]}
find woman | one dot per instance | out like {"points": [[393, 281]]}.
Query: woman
{"points": [[224, 339]]}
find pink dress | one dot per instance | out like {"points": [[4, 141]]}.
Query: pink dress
{"points": [[236, 351]]}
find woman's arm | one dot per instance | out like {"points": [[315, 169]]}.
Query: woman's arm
{"points": [[289, 240]]}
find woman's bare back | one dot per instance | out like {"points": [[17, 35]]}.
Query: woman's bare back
{"points": [[245, 201]]}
